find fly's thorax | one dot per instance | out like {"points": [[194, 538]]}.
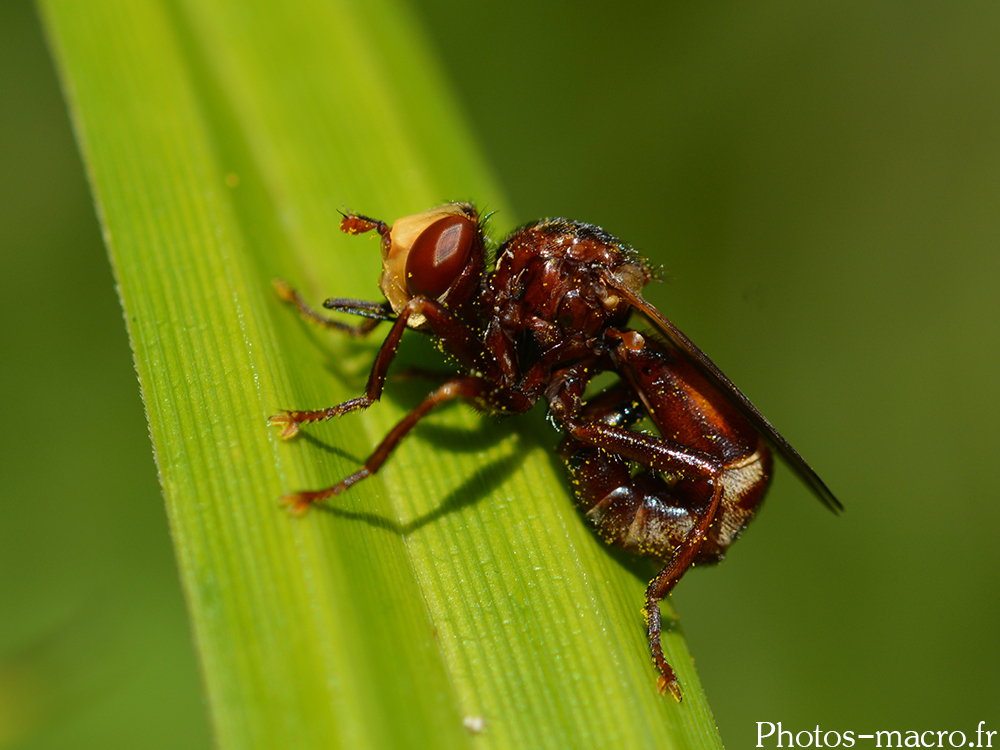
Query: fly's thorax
{"points": [[565, 274]]}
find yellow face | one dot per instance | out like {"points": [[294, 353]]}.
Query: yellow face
{"points": [[427, 253]]}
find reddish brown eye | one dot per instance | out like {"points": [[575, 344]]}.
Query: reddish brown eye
{"points": [[438, 255]]}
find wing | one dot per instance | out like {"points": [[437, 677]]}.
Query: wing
{"points": [[734, 394]]}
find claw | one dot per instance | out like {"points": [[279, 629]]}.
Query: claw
{"points": [[291, 425], [297, 504], [284, 289], [663, 685]]}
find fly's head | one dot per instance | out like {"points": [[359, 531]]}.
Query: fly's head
{"points": [[438, 254]]}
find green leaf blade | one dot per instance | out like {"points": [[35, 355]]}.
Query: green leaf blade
{"points": [[459, 582]]}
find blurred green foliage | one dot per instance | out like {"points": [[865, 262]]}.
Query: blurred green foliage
{"points": [[820, 182], [94, 642]]}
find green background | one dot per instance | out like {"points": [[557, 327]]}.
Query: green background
{"points": [[820, 182]]}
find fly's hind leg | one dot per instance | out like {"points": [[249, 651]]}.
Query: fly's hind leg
{"points": [[661, 586], [594, 473], [648, 513]]}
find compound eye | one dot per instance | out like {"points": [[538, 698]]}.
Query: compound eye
{"points": [[439, 255]]}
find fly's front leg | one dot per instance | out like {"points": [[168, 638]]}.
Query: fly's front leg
{"points": [[291, 420], [374, 312], [358, 224], [468, 388], [457, 337]]}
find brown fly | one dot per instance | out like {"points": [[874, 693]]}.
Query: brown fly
{"points": [[551, 314]]}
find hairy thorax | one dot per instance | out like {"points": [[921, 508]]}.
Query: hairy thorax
{"points": [[549, 290]]}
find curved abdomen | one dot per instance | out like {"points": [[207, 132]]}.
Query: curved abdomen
{"points": [[652, 513]]}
